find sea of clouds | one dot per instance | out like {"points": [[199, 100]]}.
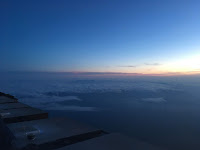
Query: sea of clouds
{"points": [[45, 93]]}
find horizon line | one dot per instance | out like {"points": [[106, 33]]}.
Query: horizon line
{"points": [[92, 73]]}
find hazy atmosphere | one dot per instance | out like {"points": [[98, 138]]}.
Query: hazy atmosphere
{"points": [[127, 66]]}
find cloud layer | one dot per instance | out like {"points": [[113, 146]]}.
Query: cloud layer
{"points": [[55, 106], [48, 94], [129, 66], [152, 64], [154, 100]]}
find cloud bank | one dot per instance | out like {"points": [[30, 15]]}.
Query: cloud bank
{"points": [[154, 100], [55, 106], [129, 66], [152, 64]]}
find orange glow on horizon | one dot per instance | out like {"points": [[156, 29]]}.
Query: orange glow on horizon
{"points": [[185, 66]]}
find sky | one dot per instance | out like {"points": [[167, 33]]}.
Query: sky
{"points": [[137, 36]]}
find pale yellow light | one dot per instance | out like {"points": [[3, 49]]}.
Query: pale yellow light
{"points": [[185, 65]]}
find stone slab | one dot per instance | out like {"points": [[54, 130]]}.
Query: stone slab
{"points": [[112, 141], [4, 99], [22, 114], [48, 131], [17, 105]]}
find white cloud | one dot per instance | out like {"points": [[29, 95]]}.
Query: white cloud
{"points": [[154, 100], [68, 107]]}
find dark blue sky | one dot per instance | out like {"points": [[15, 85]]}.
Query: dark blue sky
{"points": [[100, 35]]}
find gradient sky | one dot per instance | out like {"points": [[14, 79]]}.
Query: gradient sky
{"points": [[137, 36]]}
